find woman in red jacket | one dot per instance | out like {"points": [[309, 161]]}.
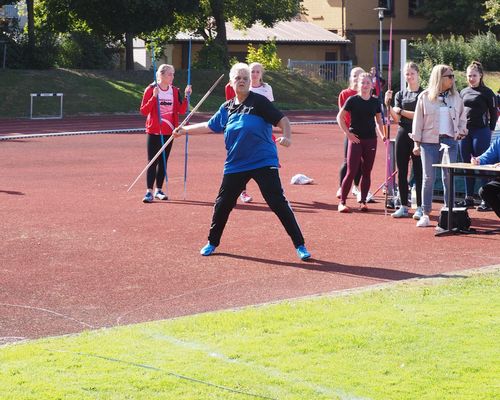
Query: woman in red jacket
{"points": [[164, 96]]}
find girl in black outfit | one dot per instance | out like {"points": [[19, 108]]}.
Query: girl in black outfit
{"points": [[480, 108], [402, 112]]}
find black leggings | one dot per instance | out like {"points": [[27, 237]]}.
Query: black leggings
{"points": [[270, 186], [158, 169], [343, 167], [404, 151], [490, 193]]}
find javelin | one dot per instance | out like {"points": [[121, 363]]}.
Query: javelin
{"points": [[186, 120]]}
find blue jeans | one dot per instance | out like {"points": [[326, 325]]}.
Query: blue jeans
{"points": [[431, 155], [474, 144]]}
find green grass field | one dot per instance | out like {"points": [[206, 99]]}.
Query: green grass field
{"points": [[103, 92], [427, 339]]}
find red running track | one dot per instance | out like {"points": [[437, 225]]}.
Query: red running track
{"points": [[80, 252]]}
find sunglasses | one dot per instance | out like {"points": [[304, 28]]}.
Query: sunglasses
{"points": [[451, 76]]}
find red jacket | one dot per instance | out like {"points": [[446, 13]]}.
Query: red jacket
{"points": [[229, 91], [343, 96], [149, 108]]}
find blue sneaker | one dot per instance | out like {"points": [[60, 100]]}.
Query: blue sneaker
{"points": [[148, 198], [303, 253], [207, 249]]}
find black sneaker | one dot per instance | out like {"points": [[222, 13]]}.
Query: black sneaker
{"points": [[483, 207], [467, 202]]}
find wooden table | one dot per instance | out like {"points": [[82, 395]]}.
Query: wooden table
{"points": [[462, 169]]}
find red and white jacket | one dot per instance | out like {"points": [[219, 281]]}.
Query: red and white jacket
{"points": [[149, 108]]}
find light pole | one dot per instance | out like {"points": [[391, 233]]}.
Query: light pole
{"points": [[380, 11]]}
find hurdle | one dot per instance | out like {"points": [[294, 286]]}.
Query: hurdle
{"points": [[60, 95]]}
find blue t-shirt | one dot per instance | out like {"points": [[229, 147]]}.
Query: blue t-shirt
{"points": [[247, 131]]}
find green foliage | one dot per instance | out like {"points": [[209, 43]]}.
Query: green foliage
{"points": [[266, 54], [42, 56], [460, 16], [492, 15], [211, 56], [458, 52], [84, 50], [486, 48]]}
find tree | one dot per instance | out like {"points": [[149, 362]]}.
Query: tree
{"points": [[492, 15], [120, 19], [462, 18], [210, 19]]}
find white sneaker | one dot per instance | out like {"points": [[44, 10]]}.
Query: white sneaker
{"points": [[402, 212], [424, 221], [418, 213], [245, 198], [355, 191], [160, 195], [369, 197]]}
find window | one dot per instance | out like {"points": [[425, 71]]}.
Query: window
{"points": [[414, 8], [385, 53], [389, 5]]}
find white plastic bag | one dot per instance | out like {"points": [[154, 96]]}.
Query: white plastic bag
{"points": [[301, 179]]}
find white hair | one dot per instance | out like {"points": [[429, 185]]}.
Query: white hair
{"points": [[237, 68]]}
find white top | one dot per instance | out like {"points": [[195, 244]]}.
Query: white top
{"points": [[445, 125], [166, 98], [265, 90]]}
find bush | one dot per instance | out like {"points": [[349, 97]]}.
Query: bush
{"points": [[211, 56], [42, 56], [266, 54], [486, 48], [458, 52]]}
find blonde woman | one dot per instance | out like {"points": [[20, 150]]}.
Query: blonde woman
{"points": [[439, 119], [402, 113], [164, 96], [352, 90]]}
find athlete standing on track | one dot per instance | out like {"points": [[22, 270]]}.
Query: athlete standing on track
{"points": [[247, 122], [352, 90], [402, 113], [171, 105], [366, 121]]}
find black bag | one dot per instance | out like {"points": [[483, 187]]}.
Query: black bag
{"points": [[460, 219]]}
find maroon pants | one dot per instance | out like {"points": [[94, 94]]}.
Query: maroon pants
{"points": [[359, 155]]}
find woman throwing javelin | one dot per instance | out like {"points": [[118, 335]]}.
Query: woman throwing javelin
{"points": [[247, 121]]}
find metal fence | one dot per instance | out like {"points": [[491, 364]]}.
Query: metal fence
{"points": [[326, 70]]}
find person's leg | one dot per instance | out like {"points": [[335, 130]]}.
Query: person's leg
{"points": [[354, 152], [343, 167], [417, 176], [153, 145], [490, 193], [229, 191], [369, 150], [445, 172], [162, 161], [465, 147], [429, 156], [270, 186], [404, 147]]}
